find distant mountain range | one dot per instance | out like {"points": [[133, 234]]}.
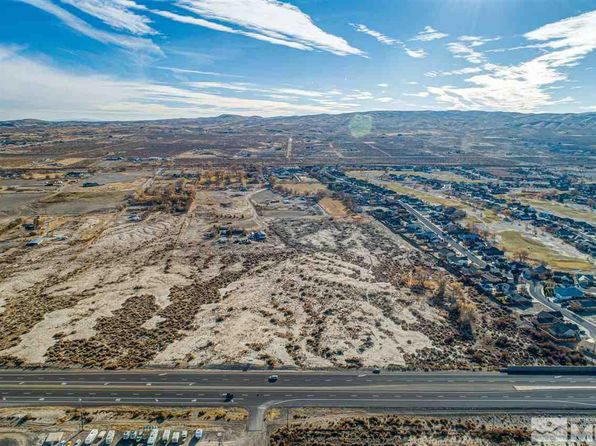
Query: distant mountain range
{"points": [[391, 118]]}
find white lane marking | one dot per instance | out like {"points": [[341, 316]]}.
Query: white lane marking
{"points": [[525, 388]]}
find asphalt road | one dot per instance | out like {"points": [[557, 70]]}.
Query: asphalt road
{"points": [[402, 391], [478, 262], [536, 290]]}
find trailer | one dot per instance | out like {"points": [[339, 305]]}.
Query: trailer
{"points": [[110, 437], [91, 437], [152, 437]]}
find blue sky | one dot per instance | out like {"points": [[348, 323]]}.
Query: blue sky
{"points": [[147, 59]]}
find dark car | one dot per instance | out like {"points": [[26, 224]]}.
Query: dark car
{"points": [[228, 397]]}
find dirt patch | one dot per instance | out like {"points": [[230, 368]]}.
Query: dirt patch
{"points": [[334, 207], [404, 430]]}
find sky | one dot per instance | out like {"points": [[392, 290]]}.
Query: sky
{"points": [[154, 59]]}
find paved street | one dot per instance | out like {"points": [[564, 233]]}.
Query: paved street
{"points": [[455, 245], [462, 391], [536, 290]]}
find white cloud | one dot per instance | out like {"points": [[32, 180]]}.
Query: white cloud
{"points": [[74, 22], [384, 99], [217, 27], [466, 70], [383, 85], [465, 48], [270, 20], [477, 40], [429, 34], [358, 95], [386, 40], [187, 71], [421, 94], [417, 54], [118, 14], [30, 88], [277, 92], [524, 87], [464, 51]]}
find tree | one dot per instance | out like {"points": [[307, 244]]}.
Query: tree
{"points": [[521, 255]]}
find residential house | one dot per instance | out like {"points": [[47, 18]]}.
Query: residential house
{"points": [[563, 294]]}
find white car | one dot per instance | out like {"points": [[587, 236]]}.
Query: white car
{"points": [[126, 435], [199, 434]]}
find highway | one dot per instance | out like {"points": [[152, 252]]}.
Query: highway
{"points": [[456, 391], [536, 291], [478, 262]]}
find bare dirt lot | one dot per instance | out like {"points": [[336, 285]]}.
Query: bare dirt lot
{"points": [[170, 289]]}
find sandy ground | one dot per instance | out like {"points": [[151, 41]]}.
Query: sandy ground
{"points": [[318, 292], [304, 305]]}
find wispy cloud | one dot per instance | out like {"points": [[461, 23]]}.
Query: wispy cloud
{"points": [[429, 34], [466, 70], [466, 46], [386, 40], [269, 20], [206, 73], [524, 87], [284, 92], [416, 54], [383, 85], [119, 14], [420, 94], [81, 26], [30, 88]]}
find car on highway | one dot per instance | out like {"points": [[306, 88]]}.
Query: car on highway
{"points": [[376, 371], [228, 397], [272, 378]]}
